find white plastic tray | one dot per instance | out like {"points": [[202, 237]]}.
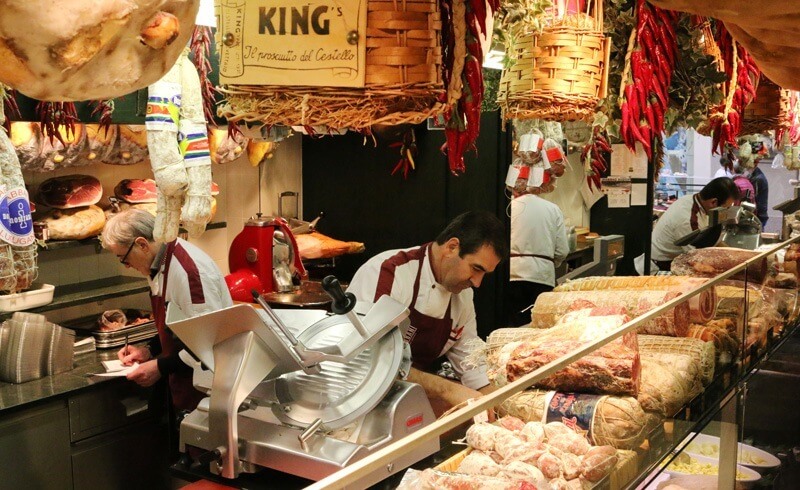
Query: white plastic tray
{"points": [[40, 295]]}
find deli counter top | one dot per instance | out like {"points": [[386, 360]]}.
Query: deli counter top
{"points": [[79, 378]]}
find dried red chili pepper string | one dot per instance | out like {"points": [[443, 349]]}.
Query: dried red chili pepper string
{"points": [[408, 150], [200, 45], [463, 121], [10, 107], [53, 115], [739, 89], [594, 158], [653, 51], [105, 109]]}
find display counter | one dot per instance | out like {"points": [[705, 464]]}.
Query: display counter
{"points": [[759, 318]]}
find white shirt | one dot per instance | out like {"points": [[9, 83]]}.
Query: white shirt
{"points": [[537, 227], [195, 283], [675, 223], [432, 300], [723, 172]]}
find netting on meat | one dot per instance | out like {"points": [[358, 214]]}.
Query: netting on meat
{"points": [[703, 353]]}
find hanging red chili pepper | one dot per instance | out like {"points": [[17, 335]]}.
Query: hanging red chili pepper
{"points": [[10, 107], [408, 150], [53, 115], [200, 46], [105, 109]]}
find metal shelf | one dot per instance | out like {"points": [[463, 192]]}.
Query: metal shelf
{"points": [[66, 244], [91, 291]]}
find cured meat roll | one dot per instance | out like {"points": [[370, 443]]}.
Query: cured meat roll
{"points": [[702, 307], [613, 368], [550, 307], [710, 262]]}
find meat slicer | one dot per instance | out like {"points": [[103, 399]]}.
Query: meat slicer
{"points": [[265, 257], [300, 391]]}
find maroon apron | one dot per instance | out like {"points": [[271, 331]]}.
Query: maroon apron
{"points": [[184, 396], [430, 334]]}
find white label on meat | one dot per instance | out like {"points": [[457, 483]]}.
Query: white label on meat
{"points": [[16, 223]]}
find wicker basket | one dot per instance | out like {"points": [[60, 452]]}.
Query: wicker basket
{"points": [[622, 474], [768, 111], [403, 82], [559, 74]]}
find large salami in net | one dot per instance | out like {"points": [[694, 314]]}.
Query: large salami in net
{"points": [[550, 307], [702, 307]]}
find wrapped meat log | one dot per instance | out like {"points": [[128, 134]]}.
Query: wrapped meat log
{"points": [[70, 191], [613, 368], [100, 142], [550, 307], [19, 232], [225, 147], [702, 307], [702, 353], [439, 480], [725, 344], [76, 223], [710, 262], [196, 212], [662, 390], [609, 420], [65, 152], [131, 146], [91, 50], [479, 463], [315, 245], [25, 137]]}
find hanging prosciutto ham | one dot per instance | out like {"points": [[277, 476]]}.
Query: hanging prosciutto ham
{"points": [[85, 50]]}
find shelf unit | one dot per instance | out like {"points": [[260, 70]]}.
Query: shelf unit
{"points": [[66, 244]]}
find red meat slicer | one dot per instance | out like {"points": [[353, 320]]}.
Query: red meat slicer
{"points": [[264, 257]]}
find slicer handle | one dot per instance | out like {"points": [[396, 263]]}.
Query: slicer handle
{"points": [[343, 302]]}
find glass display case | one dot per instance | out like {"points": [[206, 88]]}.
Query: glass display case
{"points": [[675, 406]]}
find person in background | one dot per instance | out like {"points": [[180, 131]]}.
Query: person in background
{"points": [[685, 215], [538, 245], [179, 273], [761, 186], [742, 181], [724, 169], [435, 282]]}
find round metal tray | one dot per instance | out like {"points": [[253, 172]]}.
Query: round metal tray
{"points": [[340, 393]]}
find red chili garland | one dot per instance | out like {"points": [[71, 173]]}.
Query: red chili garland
{"points": [[726, 123], [464, 120], [10, 107], [105, 108], [200, 46], [53, 115], [645, 98], [594, 158]]}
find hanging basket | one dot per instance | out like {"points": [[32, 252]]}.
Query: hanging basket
{"points": [[559, 74], [403, 81], [768, 111]]}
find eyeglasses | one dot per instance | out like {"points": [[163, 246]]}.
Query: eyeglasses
{"points": [[124, 258]]}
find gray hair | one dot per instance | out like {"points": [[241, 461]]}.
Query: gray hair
{"points": [[125, 227]]}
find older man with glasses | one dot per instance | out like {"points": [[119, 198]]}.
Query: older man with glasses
{"points": [[178, 272]]}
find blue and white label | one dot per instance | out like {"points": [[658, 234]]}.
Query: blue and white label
{"points": [[16, 223]]}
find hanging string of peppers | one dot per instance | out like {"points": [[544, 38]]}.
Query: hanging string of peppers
{"points": [[650, 62], [104, 109], [53, 115], [200, 46], [740, 90], [10, 107], [466, 90], [593, 157]]}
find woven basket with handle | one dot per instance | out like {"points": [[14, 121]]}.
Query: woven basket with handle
{"points": [[769, 110], [403, 78], [559, 74]]}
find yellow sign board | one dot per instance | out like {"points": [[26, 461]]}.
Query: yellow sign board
{"points": [[285, 42]]}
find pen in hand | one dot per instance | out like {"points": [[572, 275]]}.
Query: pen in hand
{"points": [[125, 349]]}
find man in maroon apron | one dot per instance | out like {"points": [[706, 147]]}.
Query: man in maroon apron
{"points": [[435, 282], [178, 272]]}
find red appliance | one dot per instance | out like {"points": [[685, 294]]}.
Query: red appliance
{"points": [[264, 257]]}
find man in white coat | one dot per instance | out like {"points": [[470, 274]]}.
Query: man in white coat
{"points": [[538, 246]]}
